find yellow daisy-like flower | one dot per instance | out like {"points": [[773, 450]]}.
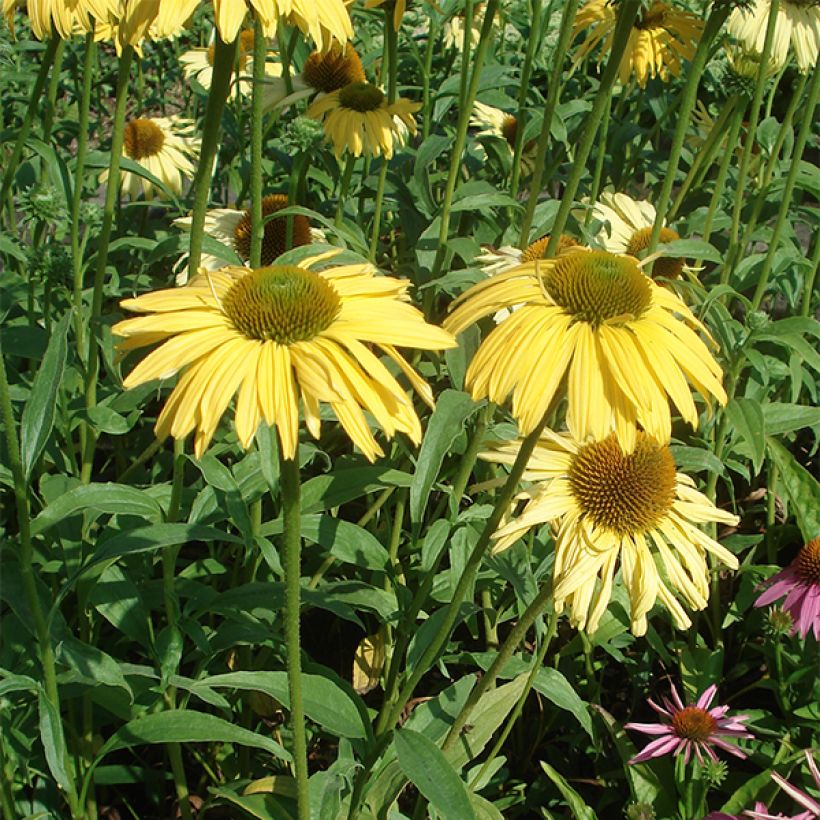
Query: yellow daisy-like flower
{"points": [[626, 228], [661, 37], [607, 509], [278, 334], [497, 123], [358, 119], [798, 24], [507, 257], [626, 344], [68, 17], [233, 227], [452, 31], [165, 146]]}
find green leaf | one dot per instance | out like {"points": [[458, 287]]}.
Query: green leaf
{"points": [[94, 666], [691, 249], [187, 726], [801, 487], [51, 734], [743, 797], [327, 491], [430, 772], [556, 688], [260, 806], [324, 700], [38, 414], [108, 421], [781, 418], [580, 810], [113, 499], [452, 410], [746, 417]]}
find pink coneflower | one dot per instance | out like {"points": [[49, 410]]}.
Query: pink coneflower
{"points": [[809, 803], [694, 727], [800, 583]]}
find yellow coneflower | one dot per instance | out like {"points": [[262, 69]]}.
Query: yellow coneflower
{"points": [[497, 123], [626, 228], [358, 119], [498, 260], [232, 227], [165, 146], [198, 64], [661, 37], [68, 17], [626, 344], [798, 24], [611, 509], [452, 31], [276, 335]]}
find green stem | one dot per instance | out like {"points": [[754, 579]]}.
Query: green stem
{"points": [[51, 94], [811, 278], [112, 193], [788, 188], [553, 95], [260, 49], [290, 490], [26, 560], [13, 162], [537, 662], [224, 56], [599, 160], [6, 791], [714, 24], [465, 108], [511, 642], [427, 71], [523, 88], [84, 105], [703, 157], [623, 28], [344, 187], [751, 134]]}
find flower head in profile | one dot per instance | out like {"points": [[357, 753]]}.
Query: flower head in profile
{"points": [[662, 37], [497, 123], [799, 583], [610, 509], [627, 345], [626, 227], [281, 336], [797, 24], [359, 120], [66, 17], [165, 146], [452, 31], [507, 257], [233, 227], [804, 799], [694, 728]]}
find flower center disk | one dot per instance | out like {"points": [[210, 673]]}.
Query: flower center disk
{"points": [[667, 266], [808, 562], [627, 494], [598, 286], [538, 249], [361, 97], [281, 303], [693, 723], [143, 138], [274, 238], [334, 70]]}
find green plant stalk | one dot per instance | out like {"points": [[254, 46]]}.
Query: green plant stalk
{"points": [[51, 94], [465, 581], [714, 24], [112, 193], [224, 58], [754, 114], [511, 642], [788, 188], [13, 162], [785, 127], [553, 95], [344, 187], [426, 73], [466, 42], [703, 158], [26, 560], [465, 108], [589, 130], [6, 791], [523, 88], [599, 160], [537, 662], [290, 491], [84, 105], [811, 278], [773, 92], [260, 48]]}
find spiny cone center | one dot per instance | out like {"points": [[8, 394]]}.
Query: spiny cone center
{"points": [[509, 129], [693, 723], [274, 238], [808, 562], [598, 286], [627, 494], [652, 18], [281, 303], [538, 249], [143, 138], [361, 97], [669, 267], [334, 69]]}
